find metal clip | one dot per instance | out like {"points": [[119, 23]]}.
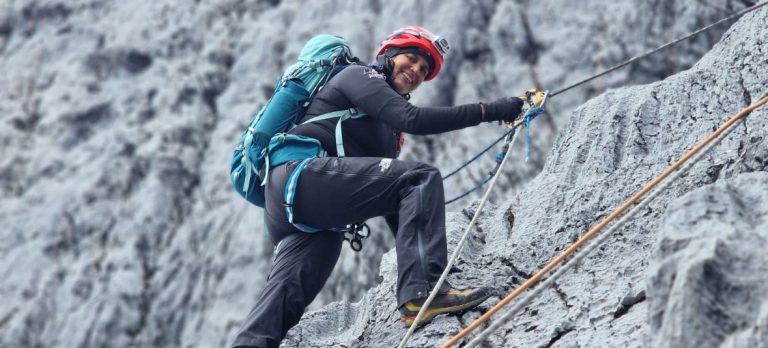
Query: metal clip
{"points": [[357, 233]]}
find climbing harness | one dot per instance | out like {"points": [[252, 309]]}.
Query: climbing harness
{"points": [[531, 113], [354, 233], [571, 249]]}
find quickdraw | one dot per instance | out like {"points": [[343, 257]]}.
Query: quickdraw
{"points": [[530, 113], [534, 109]]}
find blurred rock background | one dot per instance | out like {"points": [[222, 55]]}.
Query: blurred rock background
{"points": [[118, 226]]}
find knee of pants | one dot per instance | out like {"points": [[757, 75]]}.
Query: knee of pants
{"points": [[426, 168], [428, 176]]}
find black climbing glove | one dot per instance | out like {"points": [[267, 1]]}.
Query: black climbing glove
{"points": [[504, 109]]}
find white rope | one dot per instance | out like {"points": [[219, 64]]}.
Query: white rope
{"points": [[459, 246], [585, 252]]}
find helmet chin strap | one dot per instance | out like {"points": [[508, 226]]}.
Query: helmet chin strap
{"points": [[386, 66]]}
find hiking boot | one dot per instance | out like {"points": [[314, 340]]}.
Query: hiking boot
{"points": [[453, 301]]}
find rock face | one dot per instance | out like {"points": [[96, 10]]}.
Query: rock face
{"points": [[119, 227], [705, 284], [709, 280]]}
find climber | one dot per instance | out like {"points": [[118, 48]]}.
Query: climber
{"points": [[367, 182]]}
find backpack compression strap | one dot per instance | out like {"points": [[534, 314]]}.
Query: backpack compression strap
{"points": [[249, 167]]}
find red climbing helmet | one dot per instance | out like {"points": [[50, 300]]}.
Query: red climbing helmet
{"points": [[435, 46]]}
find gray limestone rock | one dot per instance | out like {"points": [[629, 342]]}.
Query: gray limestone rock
{"points": [[119, 227], [708, 280], [608, 150]]}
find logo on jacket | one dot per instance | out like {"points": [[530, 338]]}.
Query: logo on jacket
{"points": [[385, 163], [373, 74]]}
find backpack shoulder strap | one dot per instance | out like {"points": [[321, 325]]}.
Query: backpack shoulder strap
{"points": [[346, 114]]}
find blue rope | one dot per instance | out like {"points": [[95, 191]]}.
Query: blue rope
{"points": [[477, 156], [499, 158], [470, 191], [532, 113]]}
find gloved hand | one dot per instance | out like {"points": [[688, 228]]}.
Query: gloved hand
{"points": [[504, 109], [533, 95]]}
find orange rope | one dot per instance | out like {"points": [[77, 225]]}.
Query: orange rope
{"points": [[567, 252]]}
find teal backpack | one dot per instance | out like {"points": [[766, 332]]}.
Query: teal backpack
{"points": [[264, 143]]}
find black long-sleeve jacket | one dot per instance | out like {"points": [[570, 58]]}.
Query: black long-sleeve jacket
{"points": [[388, 114]]}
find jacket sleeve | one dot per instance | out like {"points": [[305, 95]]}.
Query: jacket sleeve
{"points": [[369, 92]]}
